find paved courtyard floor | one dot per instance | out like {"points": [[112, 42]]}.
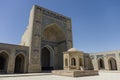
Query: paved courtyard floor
{"points": [[103, 75]]}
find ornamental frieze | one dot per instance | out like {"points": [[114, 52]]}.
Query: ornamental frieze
{"points": [[20, 51], [35, 50], [53, 14], [37, 35], [38, 21], [99, 56], [5, 49], [35, 59], [50, 14], [47, 21], [110, 55]]}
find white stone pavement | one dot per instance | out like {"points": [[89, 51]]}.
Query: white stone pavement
{"points": [[102, 76]]}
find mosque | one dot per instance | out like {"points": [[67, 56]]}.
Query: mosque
{"points": [[44, 43]]}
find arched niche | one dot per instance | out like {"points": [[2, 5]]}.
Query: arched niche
{"points": [[101, 64], [47, 58], [112, 64], [19, 63], [4, 57], [66, 62], [54, 33], [73, 61]]}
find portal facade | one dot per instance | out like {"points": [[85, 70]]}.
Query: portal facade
{"points": [[47, 36]]}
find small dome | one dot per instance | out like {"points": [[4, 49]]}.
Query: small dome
{"points": [[72, 49]]}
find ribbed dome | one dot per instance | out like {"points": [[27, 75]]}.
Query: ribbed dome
{"points": [[72, 49]]}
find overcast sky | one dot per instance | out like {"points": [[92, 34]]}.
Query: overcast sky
{"points": [[95, 23]]}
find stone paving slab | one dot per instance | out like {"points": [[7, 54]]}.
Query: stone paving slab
{"points": [[24, 75], [113, 71], [102, 76]]}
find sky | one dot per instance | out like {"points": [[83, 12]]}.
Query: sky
{"points": [[95, 23]]}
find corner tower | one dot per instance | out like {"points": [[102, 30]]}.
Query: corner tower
{"points": [[48, 35]]}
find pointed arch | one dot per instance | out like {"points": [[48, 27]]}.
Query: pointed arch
{"points": [[66, 62], [53, 32], [101, 64], [55, 25], [73, 62], [4, 58], [112, 64], [19, 63], [47, 58]]}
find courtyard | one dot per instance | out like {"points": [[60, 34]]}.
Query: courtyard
{"points": [[103, 75]]}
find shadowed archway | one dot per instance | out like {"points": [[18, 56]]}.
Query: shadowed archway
{"points": [[66, 62], [3, 62], [101, 64], [112, 64], [53, 33], [54, 36], [73, 62], [46, 59], [19, 64]]}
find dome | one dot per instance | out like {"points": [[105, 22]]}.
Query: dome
{"points": [[72, 49]]}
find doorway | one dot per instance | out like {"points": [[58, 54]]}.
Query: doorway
{"points": [[46, 59], [19, 64], [3, 62], [112, 64], [101, 64]]}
